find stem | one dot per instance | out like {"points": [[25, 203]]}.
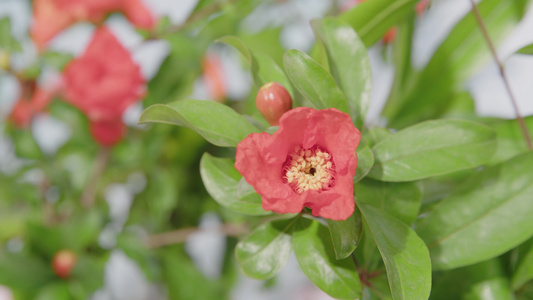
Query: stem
{"points": [[89, 193], [181, 235], [489, 42]]}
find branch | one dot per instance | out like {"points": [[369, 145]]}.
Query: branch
{"points": [[489, 42], [89, 193], [181, 235]]}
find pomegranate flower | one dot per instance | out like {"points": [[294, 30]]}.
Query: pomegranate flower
{"points": [[52, 16], [102, 83], [310, 161]]}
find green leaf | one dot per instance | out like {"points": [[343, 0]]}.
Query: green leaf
{"points": [[526, 50], [313, 81], [405, 255], [221, 181], [400, 199], [371, 19], [54, 291], [316, 257], [264, 69], [524, 271], [348, 63], [376, 135], [457, 58], [346, 234], [217, 123], [265, 250], [7, 41], [365, 160], [482, 281], [24, 273], [483, 218], [432, 148], [511, 142]]}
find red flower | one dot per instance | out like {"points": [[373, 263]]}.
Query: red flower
{"points": [[25, 109], [52, 16], [214, 77], [310, 161], [102, 83]]}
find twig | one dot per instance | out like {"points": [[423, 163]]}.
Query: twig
{"points": [[489, 42], [181, 235], [89, 193]]}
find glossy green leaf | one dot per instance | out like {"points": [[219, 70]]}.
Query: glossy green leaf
{"points": [[483, 218], [526, 50], [483, 281], [457, 58], [400, 199], [365, 160], [264, 69], [524, 270], [432, 148], [265, 250], [371, 19], [405, 255], [376, 135], [316, 257], [511, 141], [348, 63], [346, 234], [221, 181], [217, 123], [313, 81]]}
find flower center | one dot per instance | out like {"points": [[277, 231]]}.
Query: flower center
{"points": [[309, 169]]}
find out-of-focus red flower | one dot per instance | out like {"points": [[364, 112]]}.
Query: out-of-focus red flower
{"points": [[214, 77], [33, 101], [273, 101], [310, 161], [390, 35], [52, 16], [421, 6], [102, 83]]}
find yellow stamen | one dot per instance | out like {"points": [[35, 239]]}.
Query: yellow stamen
{"points": [[309, 169]]}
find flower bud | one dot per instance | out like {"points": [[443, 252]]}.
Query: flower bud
{"points": [[273, 101], [63, 263]]}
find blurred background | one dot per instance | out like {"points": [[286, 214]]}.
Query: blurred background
{"points": [[149, 229]]}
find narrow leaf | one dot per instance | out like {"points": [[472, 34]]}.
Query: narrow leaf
{"points": [[217, 123], [316, 257], [432, 148], [405, 255], [221, 181], [365, 160], [346, 234], [485, 217], [400, 199], [313, 81], [371, 19], [265, 250], [348, 63]]}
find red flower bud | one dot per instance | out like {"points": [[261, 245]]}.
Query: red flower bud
{"points": [[63, 263], [273, 101]]}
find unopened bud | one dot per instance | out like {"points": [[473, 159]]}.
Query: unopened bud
{"points": [[63, 263], [273, 101]]}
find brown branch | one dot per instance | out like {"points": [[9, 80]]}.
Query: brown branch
{"points": [[488, 40], [181, 235], [89, 193]]}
